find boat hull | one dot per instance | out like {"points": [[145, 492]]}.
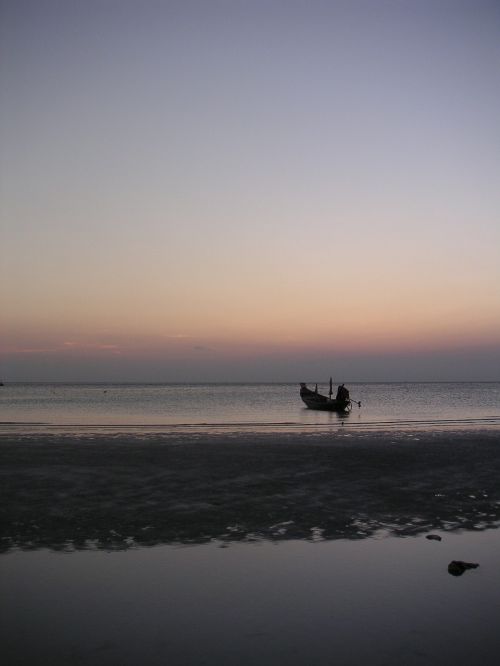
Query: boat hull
{"points": [[314, 400]]}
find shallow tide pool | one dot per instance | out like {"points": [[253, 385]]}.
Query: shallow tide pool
{"points": [[378, 600]]}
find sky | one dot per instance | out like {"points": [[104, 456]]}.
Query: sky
{"points": [[247, 190]]}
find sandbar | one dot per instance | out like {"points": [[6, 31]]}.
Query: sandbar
{"points": [[122, 491]]}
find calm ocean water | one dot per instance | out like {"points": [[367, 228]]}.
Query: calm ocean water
{"points": [[242, 406]]}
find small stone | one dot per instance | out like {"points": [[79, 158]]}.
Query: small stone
{"points": [[433, 537], [457, 567]]}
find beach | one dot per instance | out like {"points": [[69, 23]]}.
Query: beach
{"points": [[271, 548], [116, 491]]}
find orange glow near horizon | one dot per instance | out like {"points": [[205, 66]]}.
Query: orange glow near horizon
{"points": [[380, 337], [270, 309]]}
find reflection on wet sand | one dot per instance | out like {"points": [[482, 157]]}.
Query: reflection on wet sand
{"points": [[115, 493]]}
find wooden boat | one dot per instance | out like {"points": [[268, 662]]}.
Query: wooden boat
{"points": [[314, 400]]}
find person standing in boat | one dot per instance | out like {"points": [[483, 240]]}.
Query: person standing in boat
{"points": [[342, 393]]}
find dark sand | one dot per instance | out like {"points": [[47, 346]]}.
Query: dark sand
{"points": [[116, 492]]}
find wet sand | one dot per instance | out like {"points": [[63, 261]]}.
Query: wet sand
{"points": [[282, 569], [66, 492]]}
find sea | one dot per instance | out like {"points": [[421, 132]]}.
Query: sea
{"points": [[41, 407]]}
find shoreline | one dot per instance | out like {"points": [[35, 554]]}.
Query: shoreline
{"points": [[119, 491], [14, 429]]}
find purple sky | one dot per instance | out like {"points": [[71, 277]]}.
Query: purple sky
{"points": [[250, 190]]}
